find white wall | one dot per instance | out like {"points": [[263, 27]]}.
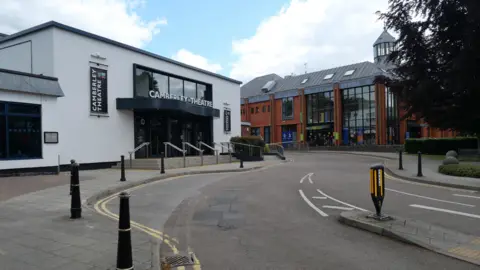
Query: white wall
{"points": [[50, 122], [32, 53], [91, 139]]}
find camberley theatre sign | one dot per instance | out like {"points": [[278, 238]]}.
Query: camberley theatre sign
{"points": [[196, 101]]}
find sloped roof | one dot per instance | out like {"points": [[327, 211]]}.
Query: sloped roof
{"points": [[384, 37], [28, 83], [362, 70], [111, 42]]}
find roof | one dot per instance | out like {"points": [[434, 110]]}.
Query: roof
{"points": [[384, 37], [111, 42], [362, 70], [3, 35], [16, 81]]}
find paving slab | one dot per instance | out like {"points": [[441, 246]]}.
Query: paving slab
{"points": [[458, 245]]}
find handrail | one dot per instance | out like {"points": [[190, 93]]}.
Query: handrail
{"points": [[196, 148], [178, 149], [249, 145], [209, 147], [228, 150], [136, 149]]}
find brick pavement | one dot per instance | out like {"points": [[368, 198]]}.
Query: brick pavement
{"points": [[36, 232]]}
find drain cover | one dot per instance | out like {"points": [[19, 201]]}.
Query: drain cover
{"points": [[178, 260]]}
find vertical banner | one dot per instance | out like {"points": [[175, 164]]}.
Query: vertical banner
{"points": [[98, 91], [227, 125]]}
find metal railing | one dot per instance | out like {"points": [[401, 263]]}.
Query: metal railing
{"points": [[194, 148], [209, 147], [276, 148], [167, 144], [136, 149], [250, 148], [228, 149]]}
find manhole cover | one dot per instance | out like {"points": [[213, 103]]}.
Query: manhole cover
{"points": [[178, 260]]}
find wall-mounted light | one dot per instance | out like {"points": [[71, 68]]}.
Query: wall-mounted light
{"points": [[98, 56]]}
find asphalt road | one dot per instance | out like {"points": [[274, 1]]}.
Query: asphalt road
{"points": [[269, 220]]}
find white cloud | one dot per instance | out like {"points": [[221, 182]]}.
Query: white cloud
{"points": [[321, 33], [196, 60], [115, 19]]}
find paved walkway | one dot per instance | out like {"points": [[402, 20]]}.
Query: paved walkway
{"points": [[429, 170], [36, 232]]}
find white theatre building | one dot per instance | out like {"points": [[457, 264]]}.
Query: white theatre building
{"points": [[69, 94]]}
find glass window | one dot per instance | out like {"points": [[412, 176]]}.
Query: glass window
{"points": [[309, 109], [382, 49], [3, 137], [263, 108], [328, 76], [349, 72], [287, 108], [190, 89], [142, 83], [23, 108], [2, 108], [357, 117], [201, 88], [256, 110], [160, 83], [24, 134], [268, 108], [251, 110], [176, 86]]}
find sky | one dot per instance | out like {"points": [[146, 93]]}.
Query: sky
{"points": [[241, 39]]}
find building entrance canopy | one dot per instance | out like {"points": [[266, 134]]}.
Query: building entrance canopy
{"points": [[166, 104]]}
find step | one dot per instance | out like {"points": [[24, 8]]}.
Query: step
{"points": [[175, 162]]}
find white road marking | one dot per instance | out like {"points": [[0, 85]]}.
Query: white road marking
{"points": [[429, 198], [344, 203], [310, 178], [466, 196], [323, 214], [337, 207], [305, 177], [426, 185], [319, 198], [445, 210]]}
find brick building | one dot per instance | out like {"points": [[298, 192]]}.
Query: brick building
{"points": [[340, 106]]}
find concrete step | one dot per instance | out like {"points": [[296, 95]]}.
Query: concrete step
{"points": [[175, 162]]}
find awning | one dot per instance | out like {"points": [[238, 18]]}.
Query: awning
{"points": [[29, 83], [165, 104]]}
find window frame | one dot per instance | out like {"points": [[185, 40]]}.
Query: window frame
{"points": [[329, 76], [284, 108]]}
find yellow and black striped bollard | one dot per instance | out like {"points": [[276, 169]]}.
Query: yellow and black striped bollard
{"points": [[377, 187]]}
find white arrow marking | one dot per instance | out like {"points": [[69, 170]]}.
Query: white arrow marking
{"points": [[303, 178], [445, 210], [323, 214], [466, 196], [319, 198], [337, 207], [344, 203], [310, 178]]}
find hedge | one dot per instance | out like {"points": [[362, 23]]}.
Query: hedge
{"points": [[250, 140], [439, 146], [465, 170]]}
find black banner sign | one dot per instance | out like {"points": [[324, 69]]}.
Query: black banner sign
{"points": [[227, 125], [98, 91]]}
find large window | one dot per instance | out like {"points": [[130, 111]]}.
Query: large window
{"points": [[146, 81], [287, 108], [20, 131], [320, 108], [393, 124], [359, 121]]}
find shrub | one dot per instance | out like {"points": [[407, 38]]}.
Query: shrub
{"points": [[243, 142], [439, 146], [450, 160], [451, 153], [465, 170]]}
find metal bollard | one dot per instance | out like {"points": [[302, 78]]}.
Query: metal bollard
{"points": [[76, 203], [71, 174], [419, 173], [124, 247], [400, 160], [162, 163], [240, 155], [122, 169]]}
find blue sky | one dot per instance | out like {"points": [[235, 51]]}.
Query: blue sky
{"points": [[207, 27]]}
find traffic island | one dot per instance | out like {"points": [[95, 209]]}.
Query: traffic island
{"points": [[447, 242]]}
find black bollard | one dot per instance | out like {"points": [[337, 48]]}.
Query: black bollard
{"points": [[76, 204], [162, 163], [419, 173], [124, 248], [241, 159], [122, 169], [400, 160], [71, 175]]}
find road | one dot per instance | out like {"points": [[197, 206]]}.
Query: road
{"points": [[285, 217]]}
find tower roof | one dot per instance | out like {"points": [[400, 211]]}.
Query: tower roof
{"points": [[384, 37]]}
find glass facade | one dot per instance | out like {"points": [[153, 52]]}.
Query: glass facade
{"points": [[320, 118], [393, 124], [383, 49], [359, 115], [146, 81], [20, 131]]}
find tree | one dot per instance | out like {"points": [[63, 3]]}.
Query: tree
{"points": [[437, 73]]}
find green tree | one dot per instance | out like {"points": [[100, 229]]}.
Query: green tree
{"points": [[437, 60]]}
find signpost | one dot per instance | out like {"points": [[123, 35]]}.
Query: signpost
{"points": [[377, 190]]}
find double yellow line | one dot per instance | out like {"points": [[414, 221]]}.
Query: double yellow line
{"points": [[101, 208]]}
